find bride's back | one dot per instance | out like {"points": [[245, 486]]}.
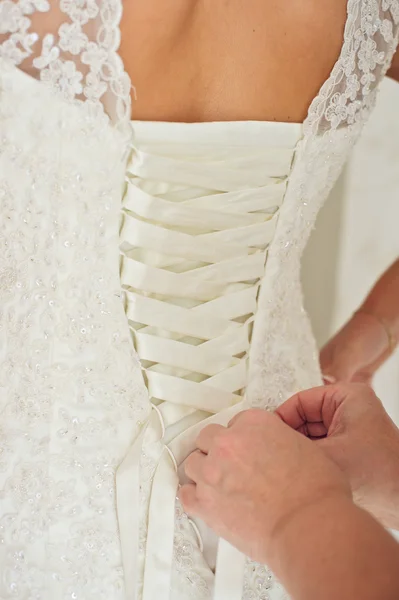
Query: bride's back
{"points": [[202, 60], [209, 280]]}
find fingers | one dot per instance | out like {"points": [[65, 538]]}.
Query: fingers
{"points": [[240, 416], [334, 365], [207, 437], [312, 412], [188, 498], [194, 466], [335, 372], [329, 379], [313, 408], [314, 431]]}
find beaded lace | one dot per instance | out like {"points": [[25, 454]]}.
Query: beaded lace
{"points": [[72, 394]]}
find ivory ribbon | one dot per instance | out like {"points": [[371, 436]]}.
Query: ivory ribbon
{"points": [[195, 237]]}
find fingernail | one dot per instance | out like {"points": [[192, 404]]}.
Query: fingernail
{"points": [[329, 379]]}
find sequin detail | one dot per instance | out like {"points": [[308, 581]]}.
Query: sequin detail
{"points": [[66, 358], [71, 386]]}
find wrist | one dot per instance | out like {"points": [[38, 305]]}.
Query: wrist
{"points": [[379, 494], [366, 346], [292, 528], [370, 330], [382, 323], [327, 549]]}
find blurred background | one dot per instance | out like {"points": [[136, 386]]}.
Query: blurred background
{"points": [[357, 235]]}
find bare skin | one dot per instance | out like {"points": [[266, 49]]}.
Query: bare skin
{"points": [[348, 422], [369, 337], [216, 60], [202, 60], [286, 501], [208, 60]]}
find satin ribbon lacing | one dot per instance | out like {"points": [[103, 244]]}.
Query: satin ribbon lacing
{"points": [[193, 256]]}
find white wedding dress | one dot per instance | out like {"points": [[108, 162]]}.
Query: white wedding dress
{"points": [[149, 284]]}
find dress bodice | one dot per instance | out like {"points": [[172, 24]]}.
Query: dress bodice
{"points": [[200, 211], [71, 390], [85, 464]]}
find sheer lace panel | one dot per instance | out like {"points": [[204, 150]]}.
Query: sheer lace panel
{"points": [[370, 40], [72, 45]]}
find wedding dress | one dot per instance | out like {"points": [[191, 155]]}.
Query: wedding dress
{"points": [[149, 285]]}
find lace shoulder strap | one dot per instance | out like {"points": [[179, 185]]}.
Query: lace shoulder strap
{"points": [[72, 45], [370, 41], [334, 122]]}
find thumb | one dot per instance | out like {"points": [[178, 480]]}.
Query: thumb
{"points": [[336, 449], [188, 498], [314, 406], [334, 365]]}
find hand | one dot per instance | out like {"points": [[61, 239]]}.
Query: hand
{"points": [[357, 434], [250, 479], [356, 352]]}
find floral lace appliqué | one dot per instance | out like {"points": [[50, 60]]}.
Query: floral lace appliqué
{"points": [[370, 40], [53, 224], [80, 65]]}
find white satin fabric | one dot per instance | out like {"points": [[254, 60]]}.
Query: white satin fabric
{"points": [[200, 210], [73, 399]]}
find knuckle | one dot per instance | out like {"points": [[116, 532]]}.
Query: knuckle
{"points": [[346, 392], [222, 438], [358, 397], [190, 463], [224, 442], [185, 497], [212, 474], [207, 503]]}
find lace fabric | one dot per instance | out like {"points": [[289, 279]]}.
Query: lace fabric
{"points": [[71, 392], [335, 120], [370, 41], [51, 288], [72, 45]]}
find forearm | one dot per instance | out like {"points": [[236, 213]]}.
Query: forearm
{"points": [[383, 300], [369, 337], [377, 488], [335, 550]]}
